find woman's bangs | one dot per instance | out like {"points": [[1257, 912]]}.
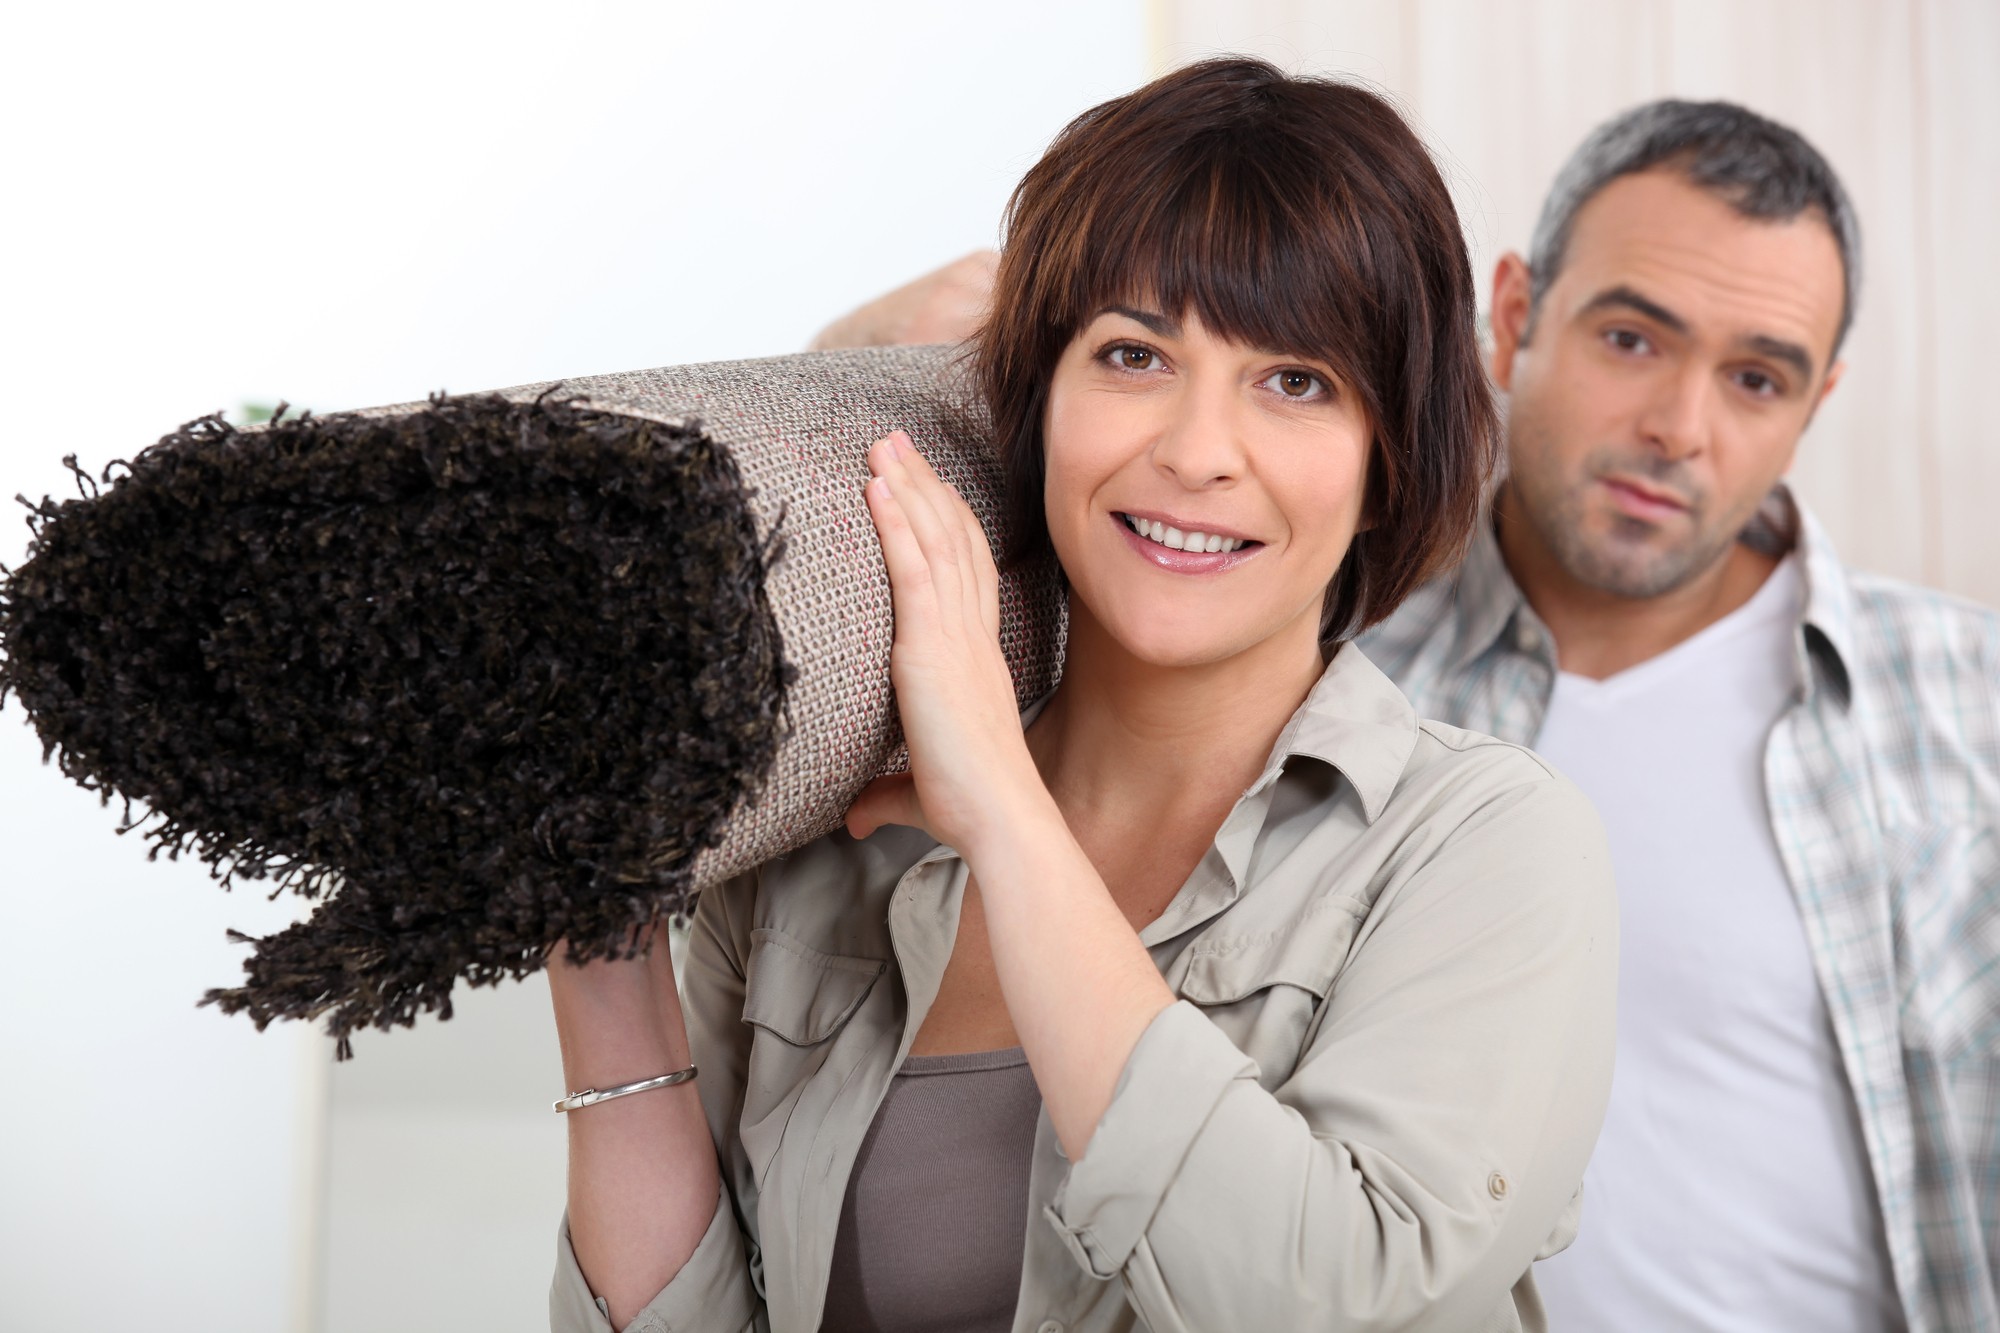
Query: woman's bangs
{"points": [[1225, 246]]}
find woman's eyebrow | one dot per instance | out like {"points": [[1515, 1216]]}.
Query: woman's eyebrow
{"points": [[1153, 322]]}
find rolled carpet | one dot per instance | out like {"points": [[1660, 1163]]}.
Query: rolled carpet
{"points": [[490, 671]]}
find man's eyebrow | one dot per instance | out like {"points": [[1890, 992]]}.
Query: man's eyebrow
{"points": [[1793, 355], [1778, 349], [1155, 323], [1624, 298]]}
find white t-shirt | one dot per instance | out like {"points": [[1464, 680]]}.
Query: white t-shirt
{"points": [[1730, 1189]]}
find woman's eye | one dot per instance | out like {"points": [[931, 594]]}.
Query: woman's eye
{"points": [[1135, 358], [1301, 384]]}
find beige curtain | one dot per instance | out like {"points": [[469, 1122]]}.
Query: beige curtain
{"points": [[1903, 97]]}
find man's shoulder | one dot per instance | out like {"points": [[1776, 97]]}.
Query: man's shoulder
{"points": [[1922, 690], [1906, 632], [1424, 624]]}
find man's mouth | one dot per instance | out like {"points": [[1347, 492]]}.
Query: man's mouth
{"points": [[1642, 501]]}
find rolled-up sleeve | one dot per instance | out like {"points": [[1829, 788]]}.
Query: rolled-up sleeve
{"points": [[1182, 1067], [1433, 1135], [712, 1290]]}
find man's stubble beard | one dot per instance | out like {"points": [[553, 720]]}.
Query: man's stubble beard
{"points": [[1633, 559]]}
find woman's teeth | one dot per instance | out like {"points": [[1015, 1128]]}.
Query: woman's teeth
{"points": [[1154, 530]]}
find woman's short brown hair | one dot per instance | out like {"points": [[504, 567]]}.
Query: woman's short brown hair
{"points": [[1294, 213]]}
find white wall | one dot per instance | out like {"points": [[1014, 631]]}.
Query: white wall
{"points": [[1903, 96], [348, 204]]}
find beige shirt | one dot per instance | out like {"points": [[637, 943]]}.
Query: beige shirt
{"points": [[1369, 1108]]}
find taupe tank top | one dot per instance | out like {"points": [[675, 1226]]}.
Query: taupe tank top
{"points": [[937, 1208]]}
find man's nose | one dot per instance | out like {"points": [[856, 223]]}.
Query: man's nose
{"points": [[1202, 445], [1677, 419]]}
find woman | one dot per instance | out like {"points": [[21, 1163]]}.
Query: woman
{"points": [[1226, 977]]}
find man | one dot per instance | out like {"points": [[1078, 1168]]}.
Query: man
{"points": [[1799, 765]]}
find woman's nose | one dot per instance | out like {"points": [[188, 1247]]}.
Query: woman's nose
{"points": [[1204, 441]]}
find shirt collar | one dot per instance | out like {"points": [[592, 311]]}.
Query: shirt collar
{"points": [[1356, 720], [1829, 601]]}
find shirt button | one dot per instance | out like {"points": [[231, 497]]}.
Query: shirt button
{"points": [[1496, 1185], [1528, 639], [1049, 1326]]}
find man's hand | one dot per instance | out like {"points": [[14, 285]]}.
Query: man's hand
{"points": [[944, 306]]}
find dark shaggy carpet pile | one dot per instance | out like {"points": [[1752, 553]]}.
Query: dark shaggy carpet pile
{"points": [[478, 676]]}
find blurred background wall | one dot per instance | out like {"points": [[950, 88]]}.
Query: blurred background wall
{"points": [[212, 204]]}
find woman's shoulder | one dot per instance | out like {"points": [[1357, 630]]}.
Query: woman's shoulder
{"points": [[1478, 768], [1417, 788], [1474, 800]]}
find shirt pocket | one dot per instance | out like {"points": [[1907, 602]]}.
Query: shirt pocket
{"points": [[1266, 990], [799, 1002]]}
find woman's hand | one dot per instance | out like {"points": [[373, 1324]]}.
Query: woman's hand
{"points": [[1077, 983], [970, 770]]}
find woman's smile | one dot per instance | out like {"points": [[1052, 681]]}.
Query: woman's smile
{"points": [[1190, 550]]}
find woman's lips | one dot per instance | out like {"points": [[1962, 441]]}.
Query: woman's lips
{"points": [[1640, 502], [1184, 562]]}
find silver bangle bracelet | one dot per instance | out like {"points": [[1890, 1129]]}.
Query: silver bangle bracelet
{"points": [[576, 1101]]}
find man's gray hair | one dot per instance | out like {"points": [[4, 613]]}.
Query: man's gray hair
{"points": [[1761, 168]]}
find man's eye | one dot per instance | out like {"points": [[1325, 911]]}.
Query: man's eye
{"points": [[1758, 383], [1294, 383], [1625, 340]]}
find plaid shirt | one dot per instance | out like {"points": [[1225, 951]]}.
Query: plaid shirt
{"points": [[1883, 784]]}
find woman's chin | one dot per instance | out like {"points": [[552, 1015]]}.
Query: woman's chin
{"points": [[1165, 645]]}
